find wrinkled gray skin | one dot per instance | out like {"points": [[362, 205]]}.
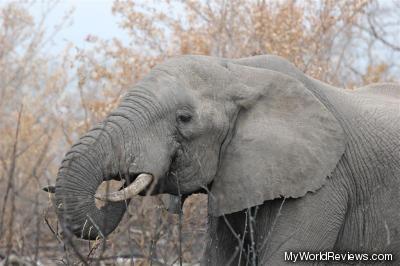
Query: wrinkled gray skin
{"points": [[317, 167]]}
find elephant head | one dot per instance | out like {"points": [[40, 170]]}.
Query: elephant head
{"points": [[242, 133]]}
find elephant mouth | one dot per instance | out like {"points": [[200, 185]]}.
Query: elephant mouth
{"points": [[141, 182]]}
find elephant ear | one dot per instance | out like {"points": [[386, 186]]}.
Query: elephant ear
{"points": [[285, 142]]}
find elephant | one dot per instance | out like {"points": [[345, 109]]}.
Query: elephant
{"points": [[289, 163]]}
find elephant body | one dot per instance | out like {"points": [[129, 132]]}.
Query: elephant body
{"points": [[289, 163], [357, 210]]}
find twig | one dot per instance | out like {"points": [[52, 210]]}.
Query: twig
{"points": [[244, 234], [180, 222], [156, 237], [38, 227], [380, 38], [68, 237], [273, 225], [252, 244], [95, 246], [51, 229], [10, 186]]}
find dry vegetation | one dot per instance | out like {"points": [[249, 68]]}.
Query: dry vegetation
{"points": [[47, 100]]}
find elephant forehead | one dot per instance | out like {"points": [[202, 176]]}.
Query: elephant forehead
{"points": [[211, 114], [198, 73]]}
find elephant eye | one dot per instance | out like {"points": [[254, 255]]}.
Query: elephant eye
{"points": [[183, 117]]}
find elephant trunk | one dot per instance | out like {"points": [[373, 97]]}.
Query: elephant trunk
{"points": [[84, 168], [126, 145]]}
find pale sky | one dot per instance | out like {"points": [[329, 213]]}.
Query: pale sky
{"points": [[89, 17]]}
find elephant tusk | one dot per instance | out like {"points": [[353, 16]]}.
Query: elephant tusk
{"points": [[140, 183]]}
